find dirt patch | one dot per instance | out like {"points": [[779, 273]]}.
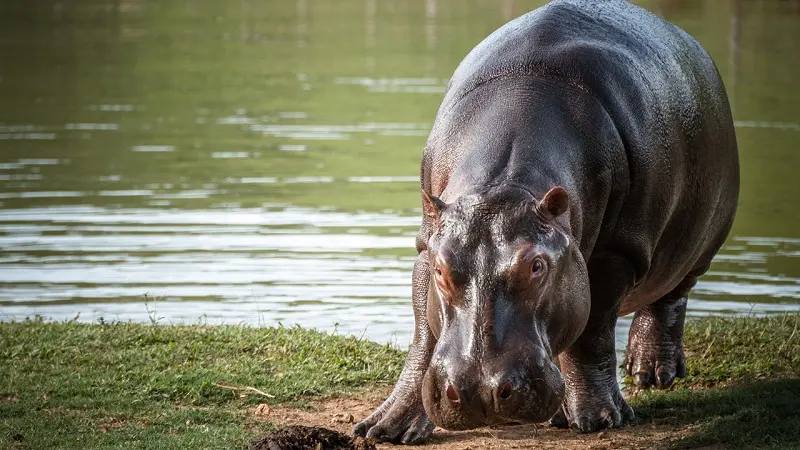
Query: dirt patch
{"points": [[334, 413], [303, 438]]}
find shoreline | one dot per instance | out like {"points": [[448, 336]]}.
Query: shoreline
{"points": [[72, 385]]}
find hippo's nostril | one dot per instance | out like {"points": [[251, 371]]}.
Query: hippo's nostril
{"points": [[505, 390], [452, 395]]}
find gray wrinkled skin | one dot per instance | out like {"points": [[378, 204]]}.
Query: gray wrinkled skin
{"points": [[582, 166]]}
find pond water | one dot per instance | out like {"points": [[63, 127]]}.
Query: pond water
{"points": [[256, 162]]}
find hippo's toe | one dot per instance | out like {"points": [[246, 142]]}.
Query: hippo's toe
{"points": [[609, 417], [656, 365], [398, 420]]}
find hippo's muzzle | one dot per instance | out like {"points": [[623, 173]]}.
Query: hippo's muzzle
{"points": [[520, 386]]}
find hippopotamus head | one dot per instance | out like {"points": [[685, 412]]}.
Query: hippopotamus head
{"points": [[508, 292]]}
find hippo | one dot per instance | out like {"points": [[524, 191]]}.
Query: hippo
{"points": [[582, 166]]}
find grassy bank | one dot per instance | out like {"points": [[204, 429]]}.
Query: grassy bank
{"points": [[153, 386], [67, 385], [753, 366]]}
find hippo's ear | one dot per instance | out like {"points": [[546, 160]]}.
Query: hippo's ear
{"points": [[432, 206], [555, 202]]}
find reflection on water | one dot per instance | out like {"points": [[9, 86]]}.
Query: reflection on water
{"points": [[257, 162]]}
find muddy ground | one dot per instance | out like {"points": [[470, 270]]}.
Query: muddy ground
{"points": [[340, 413]]}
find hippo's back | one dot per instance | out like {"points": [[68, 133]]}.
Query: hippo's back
{"points": [[666, 99], [614, 49]]}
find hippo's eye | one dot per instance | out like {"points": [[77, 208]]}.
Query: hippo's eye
{"points": [[537, 267]]}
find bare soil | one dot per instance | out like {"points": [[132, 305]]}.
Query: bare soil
{"points": [[341, 413]]}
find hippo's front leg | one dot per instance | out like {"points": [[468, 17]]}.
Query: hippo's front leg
{"points": [[402, 417], [593, 398]]}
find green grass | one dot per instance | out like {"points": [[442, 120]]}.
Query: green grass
{"points": [[146, 386], [759, 359], [120, 385], [741, 349]]}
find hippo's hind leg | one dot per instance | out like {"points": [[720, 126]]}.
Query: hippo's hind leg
{"points": [[655, 342]]}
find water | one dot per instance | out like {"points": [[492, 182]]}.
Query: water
{"points": [[256, 162]]}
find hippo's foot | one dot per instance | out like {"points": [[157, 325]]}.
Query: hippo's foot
{"points": [[655, 344], [654, 363], [594, 408], [400, 419]]}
